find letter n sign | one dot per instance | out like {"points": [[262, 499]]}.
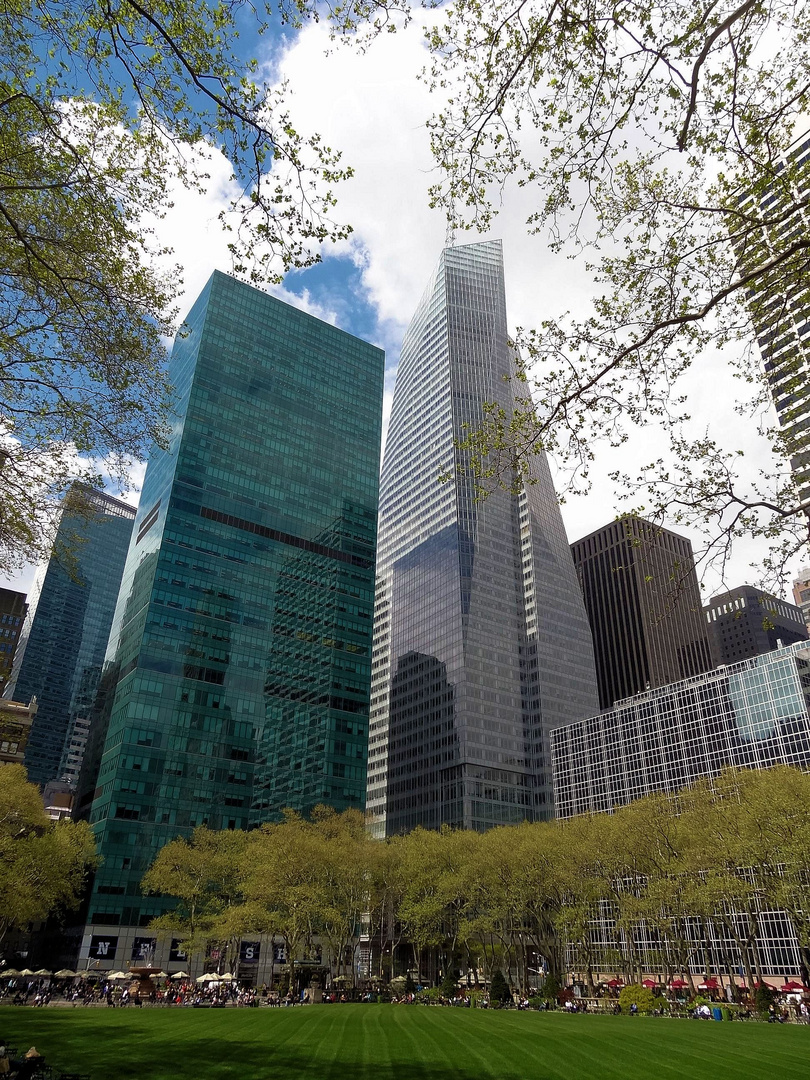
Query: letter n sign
{"points": [[102, 947]]}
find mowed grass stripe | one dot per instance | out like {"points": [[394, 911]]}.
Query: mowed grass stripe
{"points": [[377, 1045], [467, 1037], [410, 1047], [386, 1042], [448, 1057]]}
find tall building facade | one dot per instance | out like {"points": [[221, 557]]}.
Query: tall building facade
{"points": [[801, 595], [481, 642], [64, 637], [644, 607], [780, 313], [12, 614], [754, 714], [745, 622], [238, 670]]}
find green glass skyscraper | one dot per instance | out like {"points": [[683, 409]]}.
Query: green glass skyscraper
{"points": [[237, 675]]}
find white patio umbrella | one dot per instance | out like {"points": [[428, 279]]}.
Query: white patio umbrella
{"points": [[227, 977], [118, 975], [43, 971], [26, 971], [65, 973], [159, 975], [180, 975], [9, 973], [209, 977]]}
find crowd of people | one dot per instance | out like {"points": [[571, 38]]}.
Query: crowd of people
{"points": [[38, 992]]}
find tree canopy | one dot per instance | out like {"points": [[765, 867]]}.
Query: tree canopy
{"points": [[43, 865], [653, 886], [105, 111], [660, 143]]}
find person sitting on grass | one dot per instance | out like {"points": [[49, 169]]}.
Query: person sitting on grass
{"points": [[29, 1066]]}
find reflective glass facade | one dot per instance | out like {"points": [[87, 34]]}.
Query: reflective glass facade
{"points": [[64, 636], [481, 641], [753, 714], [238, 671]]}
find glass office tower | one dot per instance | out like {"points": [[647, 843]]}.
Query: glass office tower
{"points": [[481, 641], [750, 715], [64, 636], [238, 671]]}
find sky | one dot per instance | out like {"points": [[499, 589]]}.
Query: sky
{"points": [[374, 108]]}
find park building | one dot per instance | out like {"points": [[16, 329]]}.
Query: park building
{"points": [[754, 714], [236, 681], [481, 641]]}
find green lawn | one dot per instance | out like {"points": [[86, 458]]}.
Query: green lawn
{"points": [[395, 1042]]}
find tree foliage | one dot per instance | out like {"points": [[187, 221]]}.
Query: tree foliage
{"points": [[106, 111], [658, 142], [43, 865], [587, 895], [204, 873]]}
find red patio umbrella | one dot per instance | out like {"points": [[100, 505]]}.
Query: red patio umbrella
{"points": [[679, 983], [615, 982], [650, 984], [709, 984], [793, 987]]}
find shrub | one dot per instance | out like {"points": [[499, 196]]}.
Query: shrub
{"points": [[641, 996], [551, 988], [764, 997], [499, 990]]}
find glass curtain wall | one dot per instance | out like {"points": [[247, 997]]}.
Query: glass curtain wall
{"points": [[481, 638]]}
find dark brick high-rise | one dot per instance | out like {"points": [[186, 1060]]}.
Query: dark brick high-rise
{"points": [[643, 602]]}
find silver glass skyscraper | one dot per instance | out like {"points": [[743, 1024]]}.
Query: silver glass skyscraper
{"points": [[481, 641], [64, 636]]}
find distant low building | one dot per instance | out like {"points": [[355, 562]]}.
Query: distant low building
{"points": [[745, 622], [58, 798], [754, 714], [15, 725]]}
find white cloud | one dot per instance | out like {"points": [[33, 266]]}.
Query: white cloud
{"points": [[374, 108]]}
